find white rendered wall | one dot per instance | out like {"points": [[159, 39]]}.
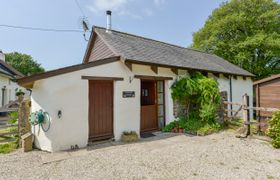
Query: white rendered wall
{"points": [[239, 88], [10, 89], [69, 93]]}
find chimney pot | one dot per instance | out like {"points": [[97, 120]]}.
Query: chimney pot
{"points": [[109, 12], [109, 24]]}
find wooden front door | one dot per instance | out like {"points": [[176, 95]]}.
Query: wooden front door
{"points": [[149, 121], [100, 109]]}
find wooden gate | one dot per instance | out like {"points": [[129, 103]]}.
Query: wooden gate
{"points": [[149, 121], [243, 112], [100, 109]]}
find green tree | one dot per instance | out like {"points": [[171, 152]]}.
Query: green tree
{"points": [[24, 63], [246, 33]]}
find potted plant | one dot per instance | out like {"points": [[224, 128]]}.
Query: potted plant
{"points": [[130, 136], [20, 94]]}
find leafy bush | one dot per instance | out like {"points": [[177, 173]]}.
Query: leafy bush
{"points": [[192, 124], [169, 127], [274, 129], [201, 91]]}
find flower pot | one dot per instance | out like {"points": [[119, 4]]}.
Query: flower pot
{"points": [[181, 130], [175, 130], [129, 137]]}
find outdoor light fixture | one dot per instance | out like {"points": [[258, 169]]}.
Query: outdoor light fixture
{"points": [[130, 79], [59, 114]]}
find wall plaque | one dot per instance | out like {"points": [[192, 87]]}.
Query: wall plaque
{"points": [[128, 94]]}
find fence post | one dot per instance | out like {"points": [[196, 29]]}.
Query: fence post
{"points": [[246, 114], [24, 125]]}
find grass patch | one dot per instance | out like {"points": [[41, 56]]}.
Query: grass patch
{"points": [[12, 143], [234, 124], [10, 129], [8, 147]]}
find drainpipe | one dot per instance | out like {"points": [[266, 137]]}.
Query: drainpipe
{"points": [[230, 93], [3, 95]]}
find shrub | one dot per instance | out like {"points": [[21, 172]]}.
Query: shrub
{"points": [[192, 124], [200, 91], [274, 129], [203, 95], [169, 127]]}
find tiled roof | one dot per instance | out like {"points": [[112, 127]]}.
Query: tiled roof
{"points": [[8, 70], [146, 50]]}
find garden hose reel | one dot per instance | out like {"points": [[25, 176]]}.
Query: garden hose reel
{"points": [[40, 118]]}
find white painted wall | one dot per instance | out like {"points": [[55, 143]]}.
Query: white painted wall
{"points": [[239, 88], [69, 93], [10, 89]]}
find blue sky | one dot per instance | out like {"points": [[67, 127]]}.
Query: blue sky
{"points": [[171, 21]]}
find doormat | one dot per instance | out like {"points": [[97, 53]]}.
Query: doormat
{"points": [[147, 135]]}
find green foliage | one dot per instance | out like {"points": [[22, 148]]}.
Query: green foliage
{"points": [[13, 117], [14, 141], [274, 129], [8, 147], [201, 91], [19, 93], [246, 33], [24, 63], [192, 124]]}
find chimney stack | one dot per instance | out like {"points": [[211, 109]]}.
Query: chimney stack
{"points": [[109, 25], [2, 56]]}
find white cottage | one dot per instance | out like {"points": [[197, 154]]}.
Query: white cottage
{"points": [[8, 84], [123, 84]]}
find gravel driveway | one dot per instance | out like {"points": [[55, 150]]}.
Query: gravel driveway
{"points": [[166, 156]]}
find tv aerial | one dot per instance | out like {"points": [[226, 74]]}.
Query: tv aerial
{"points": [[84, 23]]}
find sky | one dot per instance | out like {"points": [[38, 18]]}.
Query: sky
{"points": [[172, 21]]}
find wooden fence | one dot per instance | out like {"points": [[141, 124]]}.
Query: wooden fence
{"points": [[242, 111], [8, 132]]}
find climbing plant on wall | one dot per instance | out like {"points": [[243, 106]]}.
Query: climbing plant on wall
{"points": [[198, 91]]}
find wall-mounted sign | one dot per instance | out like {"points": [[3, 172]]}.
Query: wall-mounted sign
{"points": [[128, 94]]}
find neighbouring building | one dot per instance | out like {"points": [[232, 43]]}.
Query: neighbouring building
{"points": [[267, 92], [8, 84], [123, 84]]}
